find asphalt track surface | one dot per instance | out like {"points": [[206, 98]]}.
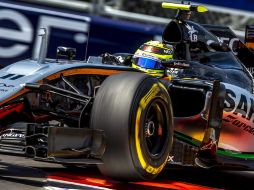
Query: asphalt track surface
{"points": [[25, 174]]}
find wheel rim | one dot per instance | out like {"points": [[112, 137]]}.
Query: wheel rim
{"points": [[155, 129]]}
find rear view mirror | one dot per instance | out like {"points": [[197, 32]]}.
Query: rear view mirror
{"points": [[68, 52], [219, 46], [174, 63]]}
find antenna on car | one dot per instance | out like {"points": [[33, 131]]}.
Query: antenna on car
{"points": [[185, 7], [184, 10], [44, 46], [86, 51]]}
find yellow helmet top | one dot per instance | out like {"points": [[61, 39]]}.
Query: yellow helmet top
{"points": [[149, 56]]}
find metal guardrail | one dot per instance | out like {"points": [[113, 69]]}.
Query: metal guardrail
{"points": [[100, 7], [109, 11], [217, 9], [73, 4]]}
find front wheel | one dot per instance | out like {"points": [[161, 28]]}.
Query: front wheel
{"points": [[135, 112]]}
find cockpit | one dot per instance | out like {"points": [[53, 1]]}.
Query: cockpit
{"points": [[208, 57]]}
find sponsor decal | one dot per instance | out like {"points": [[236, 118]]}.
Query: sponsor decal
{"points": [[239, 124], [173, 72], [181, 64], [170, 159], [239, 104], [251, 69], [210, 145], [192, 33], [12, 135], [231, 42], [168, 51], [6, 85], [240, 109]]}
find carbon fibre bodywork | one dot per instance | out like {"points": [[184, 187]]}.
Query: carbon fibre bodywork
{"points": [[190, 98]]}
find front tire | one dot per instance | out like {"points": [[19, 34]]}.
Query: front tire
{"points": [[135, 112]]}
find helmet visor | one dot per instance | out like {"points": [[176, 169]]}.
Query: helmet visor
{"points": [[147, 63]]}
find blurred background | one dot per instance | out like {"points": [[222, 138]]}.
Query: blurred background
{"points": [[94, 27]]}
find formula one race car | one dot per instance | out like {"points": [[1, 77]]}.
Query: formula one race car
{"points": [[128, 123]]}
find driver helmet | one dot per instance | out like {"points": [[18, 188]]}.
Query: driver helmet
{"points": [[149, 57]]}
